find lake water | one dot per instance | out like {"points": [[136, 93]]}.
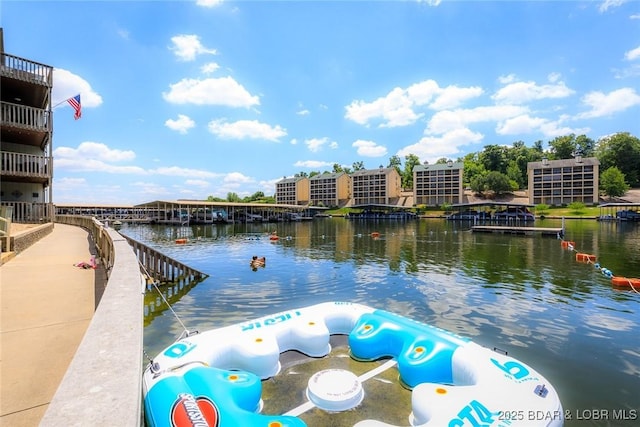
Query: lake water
{"points": [[522, 294]]}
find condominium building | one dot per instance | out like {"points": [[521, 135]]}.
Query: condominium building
{"points": [[330, 189], [560, 182], [26, 131], [376, 186], [293, 191], [438, 184]]}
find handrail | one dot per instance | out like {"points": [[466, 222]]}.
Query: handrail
{"points": [[103, 384], [36, 119], [25, 69]]}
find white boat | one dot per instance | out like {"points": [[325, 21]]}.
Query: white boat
{"points": [[216, 377]]}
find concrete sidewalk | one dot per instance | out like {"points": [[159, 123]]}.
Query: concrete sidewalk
{"points": [[47, 304]]}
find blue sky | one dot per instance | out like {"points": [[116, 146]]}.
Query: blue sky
{"points": [[186, 99]]}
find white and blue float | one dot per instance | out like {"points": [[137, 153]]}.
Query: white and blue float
{"points": [[215, 378]]}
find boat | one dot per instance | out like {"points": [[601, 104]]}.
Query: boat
{"points": [[216, 377]]}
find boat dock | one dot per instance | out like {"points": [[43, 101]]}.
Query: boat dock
{"points": [[545, 231]]}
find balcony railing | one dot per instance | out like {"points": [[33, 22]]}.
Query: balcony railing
{"points": [[26, 165], [23, 69], [30, 213], [24, 117]]}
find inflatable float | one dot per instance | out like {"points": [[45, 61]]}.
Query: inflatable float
{"points": [[216, 377], [625, 282]]}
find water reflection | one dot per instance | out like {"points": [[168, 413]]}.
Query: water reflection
{"points": [[525, 295]]}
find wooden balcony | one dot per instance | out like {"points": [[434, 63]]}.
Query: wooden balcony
{"points": [[15, 67], [24, 167], [24, 117]]}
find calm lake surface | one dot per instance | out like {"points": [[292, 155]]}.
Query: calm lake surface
{"points": [[523, 294]]}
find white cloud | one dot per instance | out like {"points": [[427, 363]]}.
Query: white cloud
{"points": [[182, 124], [431, 148], [369, 148], [447, 121], [197, 183], [66, 84], [523, 92], [303, 112], [243, 129], [187, 46], [93, 150], [602, 104], [633, 54], [221, 91], [237, 178], [311, 164], [315, 144], [606, 4], [184, 172], [398, 107], [209, 68], [525, 124], [209, 3]]}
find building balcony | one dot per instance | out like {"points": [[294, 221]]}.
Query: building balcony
{"points": [[24, 70], [22, 167]]}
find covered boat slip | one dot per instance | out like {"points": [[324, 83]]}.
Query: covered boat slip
{"points": [[340, 363], [185, 212]]}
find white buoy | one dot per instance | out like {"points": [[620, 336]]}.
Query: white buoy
{"points": [[335, 390]]}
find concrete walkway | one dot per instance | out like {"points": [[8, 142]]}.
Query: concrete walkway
{"points": [[46, 306]]}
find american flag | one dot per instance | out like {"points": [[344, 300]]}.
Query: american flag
{"points": [[75, 103]]}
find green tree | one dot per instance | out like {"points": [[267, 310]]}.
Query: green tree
{"points": [[337, 168], [233, 197], [494, 158], [499, 183], [562, 147], [358, 166], [612, 182], [621, 150], [472, 169], [410, 161], [395, 162]]}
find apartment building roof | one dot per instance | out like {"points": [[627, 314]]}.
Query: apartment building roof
{"points": [[333, 175], [373, 171], [292, 179], [438, 166], [563, 162]]}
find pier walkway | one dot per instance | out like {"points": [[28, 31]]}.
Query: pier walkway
{"points": [[47, 304]]}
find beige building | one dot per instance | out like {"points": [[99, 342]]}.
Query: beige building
{"points": [[293, 191], [438, 184], [330, 189], [376, 187], [560, 182], [26, 132]]}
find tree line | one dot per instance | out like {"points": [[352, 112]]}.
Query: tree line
{"points": [[501, 169]]}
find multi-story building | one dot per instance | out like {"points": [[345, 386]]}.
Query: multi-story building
{"points": [[293, 191], [26, 131], [438, 184], [560, 182], [330, 189], [381, 186]]}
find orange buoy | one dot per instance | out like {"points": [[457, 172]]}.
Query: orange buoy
{"points": [[273, 237], [585, 257], [181, 241], [625, 282], [566, 244], [375, 234]]}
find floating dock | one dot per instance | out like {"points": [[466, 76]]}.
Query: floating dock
{"points": [[545, 231]]}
